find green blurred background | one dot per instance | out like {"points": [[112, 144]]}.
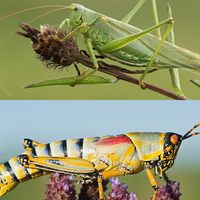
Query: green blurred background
{"points": [[19, 67]]}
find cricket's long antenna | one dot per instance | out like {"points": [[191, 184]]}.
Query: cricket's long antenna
{"points": [[190, 134], [30, 9], [59, 7], [32, 20], [5, 91]]}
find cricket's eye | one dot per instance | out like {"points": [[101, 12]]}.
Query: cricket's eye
{"points": [[174, 139], [76, 9]]}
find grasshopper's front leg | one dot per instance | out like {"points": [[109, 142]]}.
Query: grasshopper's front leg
{"points": [[153, 182]]}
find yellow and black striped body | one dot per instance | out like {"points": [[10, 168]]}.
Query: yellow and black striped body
{"points": [[13, 172]]}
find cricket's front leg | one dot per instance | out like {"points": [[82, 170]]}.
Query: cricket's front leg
{"points": [[93, 58], [65, 22]]}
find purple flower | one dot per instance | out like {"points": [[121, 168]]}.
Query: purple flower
{"points": [[60, 187], [170, 191], [119, 191]]}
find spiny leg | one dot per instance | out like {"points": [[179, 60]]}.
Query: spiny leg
{"points": [[83, 28], [174, 72], [130, 15], [155, 14], [112, 46], [125, 41], [170, 27], [91, 53], [65, 22]]}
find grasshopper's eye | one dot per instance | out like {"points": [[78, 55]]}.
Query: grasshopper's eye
{"points": [[174, 139]]}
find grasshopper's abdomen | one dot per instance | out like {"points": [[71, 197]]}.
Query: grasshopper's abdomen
{"points": [[13, 172], [85, 148], [104, 152]]}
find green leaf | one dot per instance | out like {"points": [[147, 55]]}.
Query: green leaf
{"points": [[70, 80], [196, 82]]}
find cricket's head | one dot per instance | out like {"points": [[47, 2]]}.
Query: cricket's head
{"points": [[79, 14], [75, 14], [172, 142]]}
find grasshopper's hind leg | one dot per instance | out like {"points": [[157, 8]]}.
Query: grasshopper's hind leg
{"points": [[65, 165]]}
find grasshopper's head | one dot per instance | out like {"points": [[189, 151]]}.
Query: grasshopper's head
{"points": [[172, 142], [80, 14]]}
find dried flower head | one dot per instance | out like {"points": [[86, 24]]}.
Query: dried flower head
{"points": [[50, 45], [60, 187]]}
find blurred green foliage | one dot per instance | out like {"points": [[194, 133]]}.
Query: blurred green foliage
{"points": [[19, 66]]}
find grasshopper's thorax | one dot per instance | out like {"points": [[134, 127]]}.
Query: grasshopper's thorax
{"points": [[165, 160]]}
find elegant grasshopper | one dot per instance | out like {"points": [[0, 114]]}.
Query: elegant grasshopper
{"points": [[96, 158]]}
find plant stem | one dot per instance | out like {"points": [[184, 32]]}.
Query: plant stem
{"points": [[109, 69]]}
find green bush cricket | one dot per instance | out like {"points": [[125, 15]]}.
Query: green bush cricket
{"points": [[127, 44]]}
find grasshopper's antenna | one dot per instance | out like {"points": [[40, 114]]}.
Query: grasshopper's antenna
{"points": [[190, 134]]}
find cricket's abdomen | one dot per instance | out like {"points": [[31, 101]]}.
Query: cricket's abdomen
{"points": [[139, 52], [133, 54]]}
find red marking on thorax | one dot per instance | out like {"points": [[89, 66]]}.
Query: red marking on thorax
{"points": [[114, 140]]}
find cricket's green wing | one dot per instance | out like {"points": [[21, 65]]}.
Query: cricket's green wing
{"points": [[139, 52]]}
